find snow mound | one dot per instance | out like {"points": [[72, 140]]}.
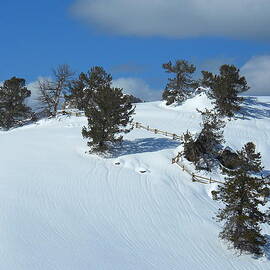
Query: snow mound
{"points": [[199, 101]]}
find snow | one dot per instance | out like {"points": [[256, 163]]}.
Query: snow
{"points": [[63, 209]]}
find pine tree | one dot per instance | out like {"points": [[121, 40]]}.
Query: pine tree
{"points": [[108, 114], [243, 195], [82, 89], [180, 87], [225, 89], [211, 135], [203, 148], [12, 107], [192, 149]]}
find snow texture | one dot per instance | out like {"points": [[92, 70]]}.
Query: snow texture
{"points": [[63, 209]]}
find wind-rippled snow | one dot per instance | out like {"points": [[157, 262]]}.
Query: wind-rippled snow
{"points": [[63, 209]]}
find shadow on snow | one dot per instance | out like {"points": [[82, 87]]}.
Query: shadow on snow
{"points": [[252, 108], [267, 247], [144, 145]]}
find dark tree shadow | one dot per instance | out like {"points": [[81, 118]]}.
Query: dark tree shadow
{"points": [[143, 146], [252, 108], [267, 247], [265, 173]]}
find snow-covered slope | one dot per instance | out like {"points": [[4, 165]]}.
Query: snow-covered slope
{"points": [[63, 209]]}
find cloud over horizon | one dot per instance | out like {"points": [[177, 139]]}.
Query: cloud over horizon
{"points": [[138, 88], [256, 70], [178, 18], [257, 73]]}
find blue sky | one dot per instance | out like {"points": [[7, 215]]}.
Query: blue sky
{"points": [[132, 42]]}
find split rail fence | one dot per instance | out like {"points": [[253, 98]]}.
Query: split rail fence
{"points": [[158, 131], [177, 159], [194, 177]]}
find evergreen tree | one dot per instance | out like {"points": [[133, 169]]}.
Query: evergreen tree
{"points": [[108, 114], [12, 107], [180, 87], [82, 89], [203, 148], [211, 135], [225, 89], [192, 149], [243, 195]]}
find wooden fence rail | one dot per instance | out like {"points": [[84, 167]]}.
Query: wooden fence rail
{"points": [[176, 160], [158, 131], [194, 177]]}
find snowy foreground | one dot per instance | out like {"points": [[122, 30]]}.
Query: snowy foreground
{"points": [[63, 209]]}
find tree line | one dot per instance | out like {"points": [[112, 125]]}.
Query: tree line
{"points": [[63, 87]]}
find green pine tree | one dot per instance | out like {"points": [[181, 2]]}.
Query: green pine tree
{"points": [[211, 135], [243, 195], [225, 89], [109, 114], [12, 108], [82, 89], [203, 149], [179, 88]]}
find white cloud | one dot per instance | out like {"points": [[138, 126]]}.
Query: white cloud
{"points": [[178, 18], [257, 73], [33, 101], [138, 88]]}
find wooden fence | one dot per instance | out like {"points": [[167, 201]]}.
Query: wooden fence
{"points": [[194, 177], [157, 131], [177, 159]]}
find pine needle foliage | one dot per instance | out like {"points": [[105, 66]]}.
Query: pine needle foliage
{"points": [[225, 89], [203, 148], [243, 195], [109, 114], [179, 88], [12, 107], [82, 89]]}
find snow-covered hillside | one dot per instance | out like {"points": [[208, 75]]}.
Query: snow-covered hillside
{"points": [[63, 209]]}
